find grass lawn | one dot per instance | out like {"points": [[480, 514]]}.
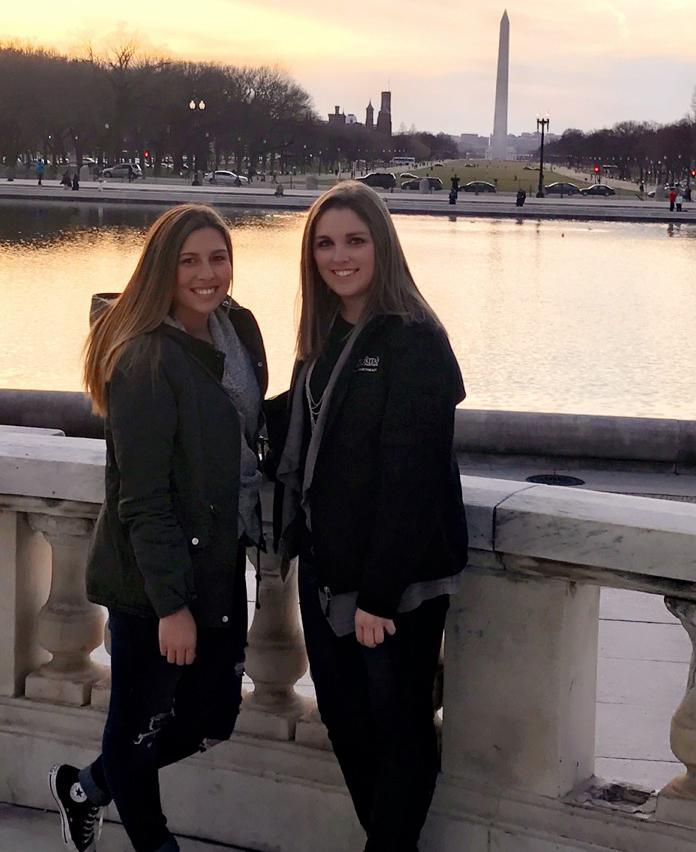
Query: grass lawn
{"points": [[507, 176]]}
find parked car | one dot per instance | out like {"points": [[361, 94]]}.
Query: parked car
{"points": [[478, 186], [561, 188], [223, 177], [384, 180], [598, 189], [668, 187], [433, 183], [408, 176], [123, 170]]}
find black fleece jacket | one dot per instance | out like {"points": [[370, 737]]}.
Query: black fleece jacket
{"points": [[385, 500], [167, 533]]}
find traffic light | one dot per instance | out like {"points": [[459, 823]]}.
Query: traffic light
{"points": [[693, 173], [146, 153], [596, 170]]}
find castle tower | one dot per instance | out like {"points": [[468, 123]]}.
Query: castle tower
{"points": [[384, 124], [499, 141], [370, 115]]}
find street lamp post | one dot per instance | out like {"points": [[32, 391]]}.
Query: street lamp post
{"points": [[542, 123], [196, 110]]}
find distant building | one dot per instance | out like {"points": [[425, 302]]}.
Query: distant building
{"points": [[519, 147], [384, 122], [472, 145], [337, 117], [528, 143]]}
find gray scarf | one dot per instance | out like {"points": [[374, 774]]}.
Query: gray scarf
{"points": [[239, 382]]}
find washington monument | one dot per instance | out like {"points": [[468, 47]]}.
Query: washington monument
{"points": [[499, 141]]}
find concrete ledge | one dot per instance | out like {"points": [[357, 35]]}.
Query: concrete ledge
{"points": [[464, 816], [68, 411], [577, 436], [605, 539], [647, 442], [299, 789], [57, 468]]}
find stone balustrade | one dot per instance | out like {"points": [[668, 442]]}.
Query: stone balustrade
{"points": [[519, 672]]}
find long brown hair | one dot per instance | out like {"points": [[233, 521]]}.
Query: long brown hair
{"points": [[393, 290], [147, 298]]}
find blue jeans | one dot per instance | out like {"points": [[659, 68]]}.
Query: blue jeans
{"points": [[161, 713], [377, 704]]}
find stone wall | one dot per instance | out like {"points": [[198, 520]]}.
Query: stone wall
{"points": [[519, 681]]}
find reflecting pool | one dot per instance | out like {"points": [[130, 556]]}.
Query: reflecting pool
{"points": [[595, 318]]}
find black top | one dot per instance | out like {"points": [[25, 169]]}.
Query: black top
{"points": [[331, 352], [321, 373]]}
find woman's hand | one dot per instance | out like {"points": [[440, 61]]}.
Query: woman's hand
{"points": [[370, 629], [177, 637]]}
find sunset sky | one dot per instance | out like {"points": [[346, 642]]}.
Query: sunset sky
{"points": [[588, 63]]}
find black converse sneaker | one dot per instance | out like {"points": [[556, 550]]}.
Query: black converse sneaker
{"points": [[77, 813]]}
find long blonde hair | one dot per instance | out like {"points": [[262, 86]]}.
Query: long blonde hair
{"points": [[393, 290], [147, 298]]}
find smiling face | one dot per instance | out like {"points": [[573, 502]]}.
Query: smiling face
{"points": [[344, 253], [204, 272]]}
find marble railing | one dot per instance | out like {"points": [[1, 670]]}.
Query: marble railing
{"points": [[519, 679]]}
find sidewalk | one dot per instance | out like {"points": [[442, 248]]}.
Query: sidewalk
{"points": [[261, 197], [29, 830]]}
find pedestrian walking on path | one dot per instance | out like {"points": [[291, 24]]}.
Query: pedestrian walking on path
{"points": [[40, 171], [178, 370], [679, 200], [672, 198], [371, 503]]}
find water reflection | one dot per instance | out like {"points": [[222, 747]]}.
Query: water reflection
{"points": [[556, 316]]}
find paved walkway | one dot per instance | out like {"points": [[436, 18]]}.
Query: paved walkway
{"points": [[29, 830], [260, 196]]}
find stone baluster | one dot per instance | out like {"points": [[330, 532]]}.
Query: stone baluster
{"points": [[276, 657], [311, 731], [69, 627], [25, 562], [676, 802]]}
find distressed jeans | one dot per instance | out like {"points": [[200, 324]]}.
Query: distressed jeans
{"points": [[377, 705], [160, 713]]}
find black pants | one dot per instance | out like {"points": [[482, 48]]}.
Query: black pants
{"points": [[377, 704], [160, 713]]}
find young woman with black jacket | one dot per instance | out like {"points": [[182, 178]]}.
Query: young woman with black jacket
{"points": [[370, 501], [178, 370]]}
